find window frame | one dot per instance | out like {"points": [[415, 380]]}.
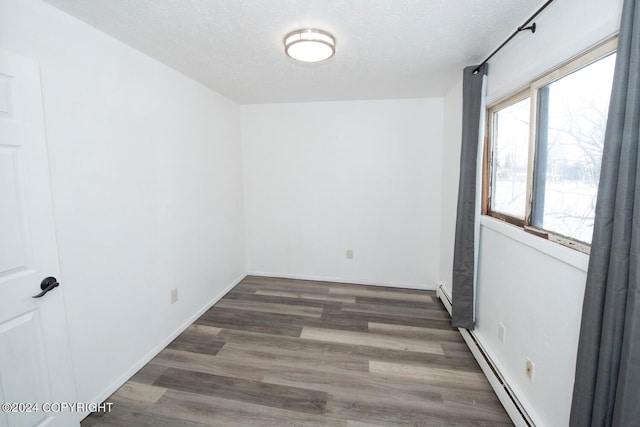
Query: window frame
{"points": [[531, 91], [488, 171]]}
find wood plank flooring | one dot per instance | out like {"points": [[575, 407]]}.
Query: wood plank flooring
{"points": [[277, 352]]}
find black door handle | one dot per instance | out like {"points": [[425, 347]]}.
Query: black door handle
{"points": [[46, 285]]}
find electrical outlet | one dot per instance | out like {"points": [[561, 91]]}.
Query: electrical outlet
{"points": [[529, 369], [502, 332], [174, 295], [349, 253]]}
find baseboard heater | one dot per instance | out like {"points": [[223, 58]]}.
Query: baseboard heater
{"points": [[506, 396]]}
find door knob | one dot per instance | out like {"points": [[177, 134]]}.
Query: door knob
{"points": [[46, 285]]}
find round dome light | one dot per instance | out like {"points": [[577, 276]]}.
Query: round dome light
{"points": [[309, 45]]}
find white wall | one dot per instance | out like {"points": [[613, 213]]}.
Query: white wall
{"points": [[450, 179], [533, 287], [322, 178], [146, 171], [565, 29]]}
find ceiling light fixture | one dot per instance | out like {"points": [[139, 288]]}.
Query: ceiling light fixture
{"points": [[309, 45]]}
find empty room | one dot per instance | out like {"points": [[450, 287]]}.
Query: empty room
{"points": [[319, 213]]}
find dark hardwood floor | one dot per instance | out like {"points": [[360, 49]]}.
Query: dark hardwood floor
{"points": [[281, 352]]}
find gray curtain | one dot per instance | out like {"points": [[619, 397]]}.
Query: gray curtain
{"points": [[607, 385], [465, 253]]}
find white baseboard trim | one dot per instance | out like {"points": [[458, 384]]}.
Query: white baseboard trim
{"points": [[101, 397], [506, 396], [443, 295], [420, 286]]}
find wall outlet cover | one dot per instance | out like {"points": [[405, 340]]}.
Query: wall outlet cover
{"points": [[530, 369], [174, 295]]}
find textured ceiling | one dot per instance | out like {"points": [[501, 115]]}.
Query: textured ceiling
{"points": [[384, 48]]}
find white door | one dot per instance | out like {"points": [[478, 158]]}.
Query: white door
{"points": [[35, 363]]}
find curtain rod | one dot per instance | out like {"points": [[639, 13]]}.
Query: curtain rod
{"points": [[521, 28]]}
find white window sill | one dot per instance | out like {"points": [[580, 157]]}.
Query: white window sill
{"points": [[567, 255]]}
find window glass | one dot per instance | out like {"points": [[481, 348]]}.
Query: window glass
{"points": [[571, 122], [510, 159]]}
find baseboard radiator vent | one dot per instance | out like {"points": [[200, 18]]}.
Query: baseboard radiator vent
{"points": [[507, 397]]}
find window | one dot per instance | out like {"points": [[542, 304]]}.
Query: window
{"points": [[545, 150], [510, 159]]}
